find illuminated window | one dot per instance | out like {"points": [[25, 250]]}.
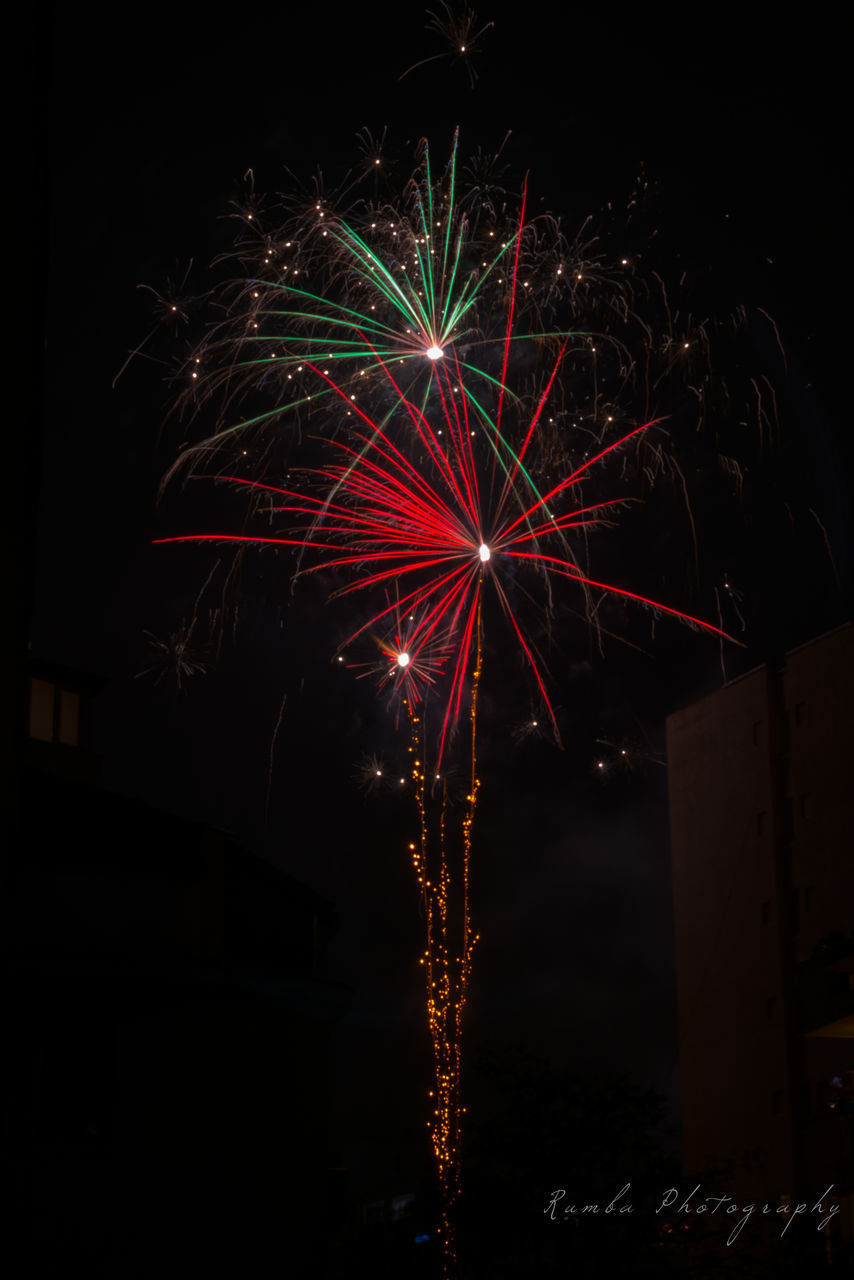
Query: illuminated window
{"points": [[41, 710], [54, 713], [69, 717]]}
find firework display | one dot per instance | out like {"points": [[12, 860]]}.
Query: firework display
{"points": [[437, 273], [468, 377]]}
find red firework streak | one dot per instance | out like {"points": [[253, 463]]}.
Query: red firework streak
{"points": [[464, 515]]}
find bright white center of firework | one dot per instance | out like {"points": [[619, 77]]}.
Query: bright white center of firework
{"points": [[435, 353], [484, 552], [403, 659]]}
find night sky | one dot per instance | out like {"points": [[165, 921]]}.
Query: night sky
{"points": [[145, 132]]}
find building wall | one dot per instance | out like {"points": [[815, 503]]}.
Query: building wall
{"points": [[725, 834], [761, 806], [818, 699]]}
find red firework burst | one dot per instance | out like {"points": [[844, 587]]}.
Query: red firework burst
{"points": [[442, 508]]}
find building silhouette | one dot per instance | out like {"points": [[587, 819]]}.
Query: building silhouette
{"points": [[762, 811], [169, 1023]]}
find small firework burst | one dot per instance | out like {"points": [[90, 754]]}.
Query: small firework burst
{"points": [[460, 32], [175, 657]]}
